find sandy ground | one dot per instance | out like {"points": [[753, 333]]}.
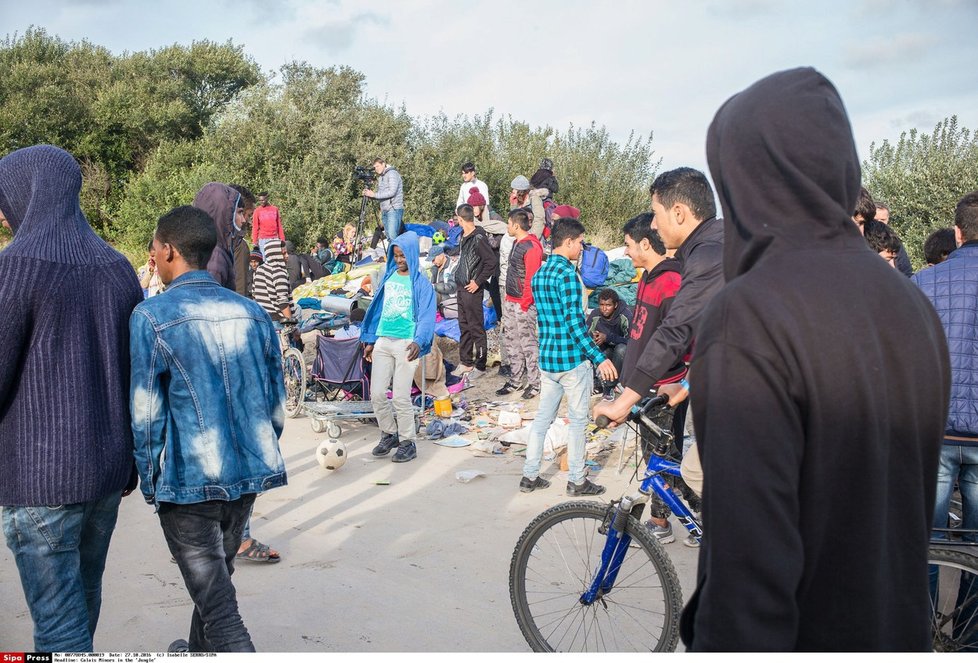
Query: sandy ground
{"points": [[420, 565]]}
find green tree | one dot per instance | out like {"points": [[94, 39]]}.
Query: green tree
{"points": [[111, 112], [921, 178]]}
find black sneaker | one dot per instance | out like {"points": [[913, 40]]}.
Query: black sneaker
{"points": [[180, 645], [405, 452], [387, 442], [584, 489], [508, 388], [505, 371], [531, 392], [529, 485]]}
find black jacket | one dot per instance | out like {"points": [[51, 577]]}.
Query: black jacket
{"points": [[477, 260], [702, 277], [819, 383]]}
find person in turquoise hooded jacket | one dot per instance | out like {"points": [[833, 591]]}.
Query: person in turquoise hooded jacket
{"points": [[397, 331]]}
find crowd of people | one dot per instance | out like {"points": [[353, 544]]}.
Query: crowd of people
{"points": [[827, 409]]}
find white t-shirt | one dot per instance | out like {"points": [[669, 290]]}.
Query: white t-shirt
{"points": [[463, 191]]}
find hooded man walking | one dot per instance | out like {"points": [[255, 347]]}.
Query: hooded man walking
{"points": [[65, 441], [819, 382]]}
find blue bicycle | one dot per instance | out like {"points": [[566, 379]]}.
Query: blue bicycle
{"points": [[587, 576]]}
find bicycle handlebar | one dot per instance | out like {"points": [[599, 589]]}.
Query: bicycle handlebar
{"points": [[642, 407]]}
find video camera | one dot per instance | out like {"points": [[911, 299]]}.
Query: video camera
{"points": [[363, 174]]}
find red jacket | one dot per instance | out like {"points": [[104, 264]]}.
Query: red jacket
{"points": [[524, 261], [266, 224]]}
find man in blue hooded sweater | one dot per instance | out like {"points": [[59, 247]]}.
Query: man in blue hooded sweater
{"points": [[397, 331], [65, 441]]}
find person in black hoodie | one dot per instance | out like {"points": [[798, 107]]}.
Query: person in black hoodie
{"points": [[820, 382]]}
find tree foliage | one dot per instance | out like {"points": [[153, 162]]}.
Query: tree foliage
{"points": [[150, 128], [112, 111], [921, 178]]}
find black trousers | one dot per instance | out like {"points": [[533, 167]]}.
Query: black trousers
{"points": [[472, 348], [203, 539]]}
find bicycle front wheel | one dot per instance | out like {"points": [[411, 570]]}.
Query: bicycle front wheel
{"points": [[953, 599], [294, 372], [554, 564]]}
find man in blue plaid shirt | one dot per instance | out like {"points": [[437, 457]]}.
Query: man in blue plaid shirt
{"points": [[565, 348]]}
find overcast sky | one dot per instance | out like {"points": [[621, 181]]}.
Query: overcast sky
{"points": [[653, 66]]}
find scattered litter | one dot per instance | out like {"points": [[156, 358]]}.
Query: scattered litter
{"points": [[466, 476], [509, 419], [382, 483], [438, 428], [454, 441], [487, 447]]}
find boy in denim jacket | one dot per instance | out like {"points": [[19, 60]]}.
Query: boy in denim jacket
{"points": [[204, 449]]}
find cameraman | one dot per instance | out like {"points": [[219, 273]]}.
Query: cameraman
{"points": [[390, 193]]}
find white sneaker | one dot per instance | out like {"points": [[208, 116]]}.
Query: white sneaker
{"points": [[462, 369], [474, 374], [663, 535], [691, 542]]}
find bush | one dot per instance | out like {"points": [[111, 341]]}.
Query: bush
{"points": [[922, 178]]}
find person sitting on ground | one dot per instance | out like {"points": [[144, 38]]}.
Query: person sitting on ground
{"points": [[149, 278], [565, 348], [324, 254], [293, 266], [397, 329], [882, 240], [205, 424], [344, 243], [608, 326], [519, 311], [939, 245], [352, 330]]}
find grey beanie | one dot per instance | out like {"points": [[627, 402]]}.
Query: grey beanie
{"points": [[520, 183]]}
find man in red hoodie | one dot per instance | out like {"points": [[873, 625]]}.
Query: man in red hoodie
{"points": [[266, 223], [519, 313]]}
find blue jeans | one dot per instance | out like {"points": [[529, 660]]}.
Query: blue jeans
{"points": [[961, 463], [60, 553], [203, 539], [577, 383], [392, 223]]}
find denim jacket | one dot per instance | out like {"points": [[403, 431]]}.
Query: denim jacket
{"points": [[206, 394]]}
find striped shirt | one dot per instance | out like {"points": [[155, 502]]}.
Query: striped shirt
{"points": [[564, 339], [272, 281]]}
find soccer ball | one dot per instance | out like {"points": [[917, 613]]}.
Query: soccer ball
{"points": [[331, 454], [438, 237]]}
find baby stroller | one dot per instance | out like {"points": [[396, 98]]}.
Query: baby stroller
{"points": [[340, 376]]}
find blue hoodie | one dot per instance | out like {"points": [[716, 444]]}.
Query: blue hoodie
{"points": [[421, 290]]}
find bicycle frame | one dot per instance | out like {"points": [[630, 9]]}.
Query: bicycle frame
{"points": [[618, 539]]}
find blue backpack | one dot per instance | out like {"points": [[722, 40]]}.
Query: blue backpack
{"points": [[594, 266]]}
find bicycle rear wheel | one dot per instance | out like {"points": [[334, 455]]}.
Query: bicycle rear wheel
{"points": [[294, 372], [554, 563], [954, 599]]}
